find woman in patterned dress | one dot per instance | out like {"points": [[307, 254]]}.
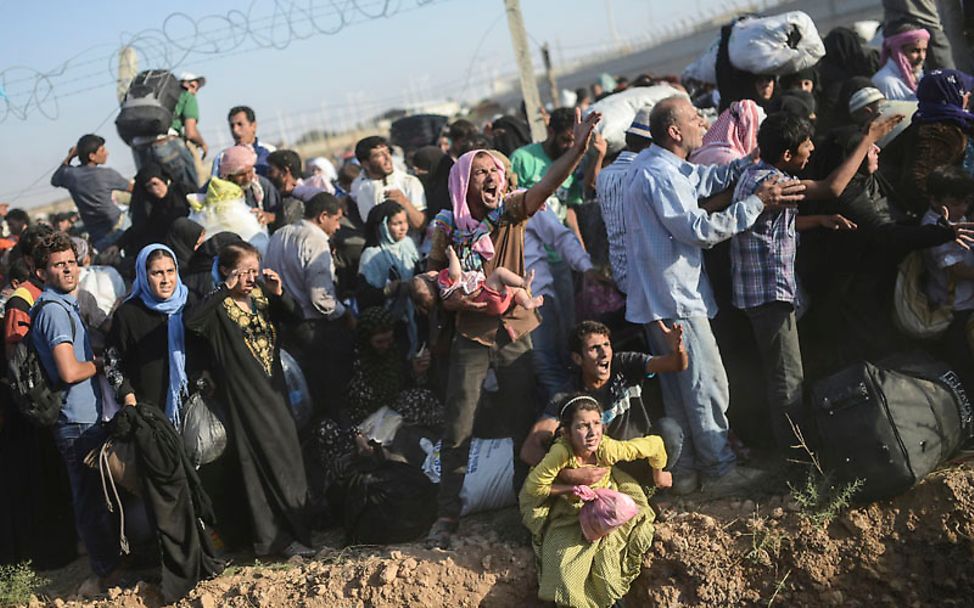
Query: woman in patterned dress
{"points": [[238, 320]]}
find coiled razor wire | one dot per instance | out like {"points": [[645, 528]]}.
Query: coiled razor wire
{"points": [[25, 91]]}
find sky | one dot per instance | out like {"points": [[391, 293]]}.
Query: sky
{"points": [[301, 64]]}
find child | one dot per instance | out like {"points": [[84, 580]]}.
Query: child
{"points": [[763, 275], [550, 510], [494, 292], [950, 267]]}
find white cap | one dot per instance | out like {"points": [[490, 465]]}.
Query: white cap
{"points": [[640, 124], [863, 97], [190, 76]]}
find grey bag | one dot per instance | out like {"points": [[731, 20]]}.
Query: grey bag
{"points": [[204, 436]]}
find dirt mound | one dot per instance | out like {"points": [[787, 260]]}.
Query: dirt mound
{"points": [[911, 551]]}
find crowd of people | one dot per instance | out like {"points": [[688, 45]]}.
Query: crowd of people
{"points": [[611, 311]]}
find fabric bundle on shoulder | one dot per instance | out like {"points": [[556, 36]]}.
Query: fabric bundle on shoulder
{"points": [[173, 492]]}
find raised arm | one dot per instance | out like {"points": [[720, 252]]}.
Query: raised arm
{"points": [[833, 185], [559, 170]]}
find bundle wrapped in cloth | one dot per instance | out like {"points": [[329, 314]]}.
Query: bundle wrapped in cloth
{"points": [[223, 209], [605, 510]]}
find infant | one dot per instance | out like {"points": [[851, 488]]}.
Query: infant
{"points": [[495, 291]]}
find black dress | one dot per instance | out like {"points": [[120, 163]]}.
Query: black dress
{"points": [[137, 360], [247, 368]]}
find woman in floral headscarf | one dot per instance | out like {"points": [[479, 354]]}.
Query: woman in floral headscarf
{"points": [[943, 128]]}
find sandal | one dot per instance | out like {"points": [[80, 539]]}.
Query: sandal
{"points": [[441, 533]]}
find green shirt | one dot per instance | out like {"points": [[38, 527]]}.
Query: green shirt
{"points": [[531, 162], [186, 108]]}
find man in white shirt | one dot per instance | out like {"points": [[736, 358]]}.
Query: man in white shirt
{"points": [[301, 254], [381, 181]]}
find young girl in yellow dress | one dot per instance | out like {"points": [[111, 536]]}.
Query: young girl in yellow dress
{"points": [[573, 571]]}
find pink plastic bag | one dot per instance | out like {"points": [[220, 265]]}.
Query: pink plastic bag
{"points": [[604, 510]]}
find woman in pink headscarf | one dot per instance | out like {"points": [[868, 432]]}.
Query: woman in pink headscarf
{"points": [[485, 227], [732, 136], [903, 55]]}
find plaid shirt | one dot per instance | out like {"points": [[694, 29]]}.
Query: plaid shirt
{"points": [[763, 257]]}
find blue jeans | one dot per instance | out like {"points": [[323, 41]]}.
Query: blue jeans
{"points": [[173, 156], [550, 354], [697, 398], [103, 242], [91, 517]]}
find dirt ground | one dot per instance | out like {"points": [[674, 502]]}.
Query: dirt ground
{"points": [[915, 550]]}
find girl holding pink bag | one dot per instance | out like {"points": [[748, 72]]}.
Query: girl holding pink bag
{"points": [[590, 540]]}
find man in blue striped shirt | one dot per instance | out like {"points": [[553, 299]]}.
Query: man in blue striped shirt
{"points": [[665, 237], [610, 188]]}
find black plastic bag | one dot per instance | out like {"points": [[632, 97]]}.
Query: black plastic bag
{"points": [[204, 435]]}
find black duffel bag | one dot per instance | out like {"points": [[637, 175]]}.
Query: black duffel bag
{"points": [[890, 423]]}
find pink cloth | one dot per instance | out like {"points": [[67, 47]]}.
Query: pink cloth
{"points": [[891, 48], [604, 510], [236, 159], [459, 181], [732, 136]]}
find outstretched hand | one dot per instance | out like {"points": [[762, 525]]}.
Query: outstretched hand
{"points": [[883, 126], [963, 231], [582, 130], [673, 336]]}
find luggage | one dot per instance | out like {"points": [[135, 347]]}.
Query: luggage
{"points": [[204, 434], [298, 393], [912, 311], [148, 106], [604, 510], [778, 45], [489, 482], [383, 501], [36, 396], [619, 109], [890, 423], [412, 132]]}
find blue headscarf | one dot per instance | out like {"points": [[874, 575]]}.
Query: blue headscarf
{"points": [[374, 265], [173, 309], [940, 99]]}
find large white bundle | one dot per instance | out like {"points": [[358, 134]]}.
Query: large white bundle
{"points": [[230, 216], [489, 482], [704, 69], [782, 44], [105, 284], [619, 109]]}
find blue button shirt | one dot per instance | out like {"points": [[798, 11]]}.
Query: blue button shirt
{"points": [[666, 232], [52, 326]]}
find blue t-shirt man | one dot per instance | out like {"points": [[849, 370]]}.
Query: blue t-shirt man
{"points": [[57, 323]]}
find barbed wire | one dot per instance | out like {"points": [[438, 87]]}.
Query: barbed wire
{"points": [[180, 38]]}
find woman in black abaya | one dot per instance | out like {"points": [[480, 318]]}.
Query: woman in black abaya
{"points": [[239, 321]]}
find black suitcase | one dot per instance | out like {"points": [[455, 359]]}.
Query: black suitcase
{"points": [[147, 109], [889, 423]]}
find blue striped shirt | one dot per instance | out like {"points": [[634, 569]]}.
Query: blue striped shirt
{"points": [[610, 188], [666, 232]]}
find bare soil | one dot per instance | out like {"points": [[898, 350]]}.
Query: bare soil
{"points": [[915, 550]]}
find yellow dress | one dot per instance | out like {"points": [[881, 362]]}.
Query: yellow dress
{"points": [[571, 570]]}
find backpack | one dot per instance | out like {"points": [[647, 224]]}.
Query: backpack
{"points": [[148, 106], [37, 397]]}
